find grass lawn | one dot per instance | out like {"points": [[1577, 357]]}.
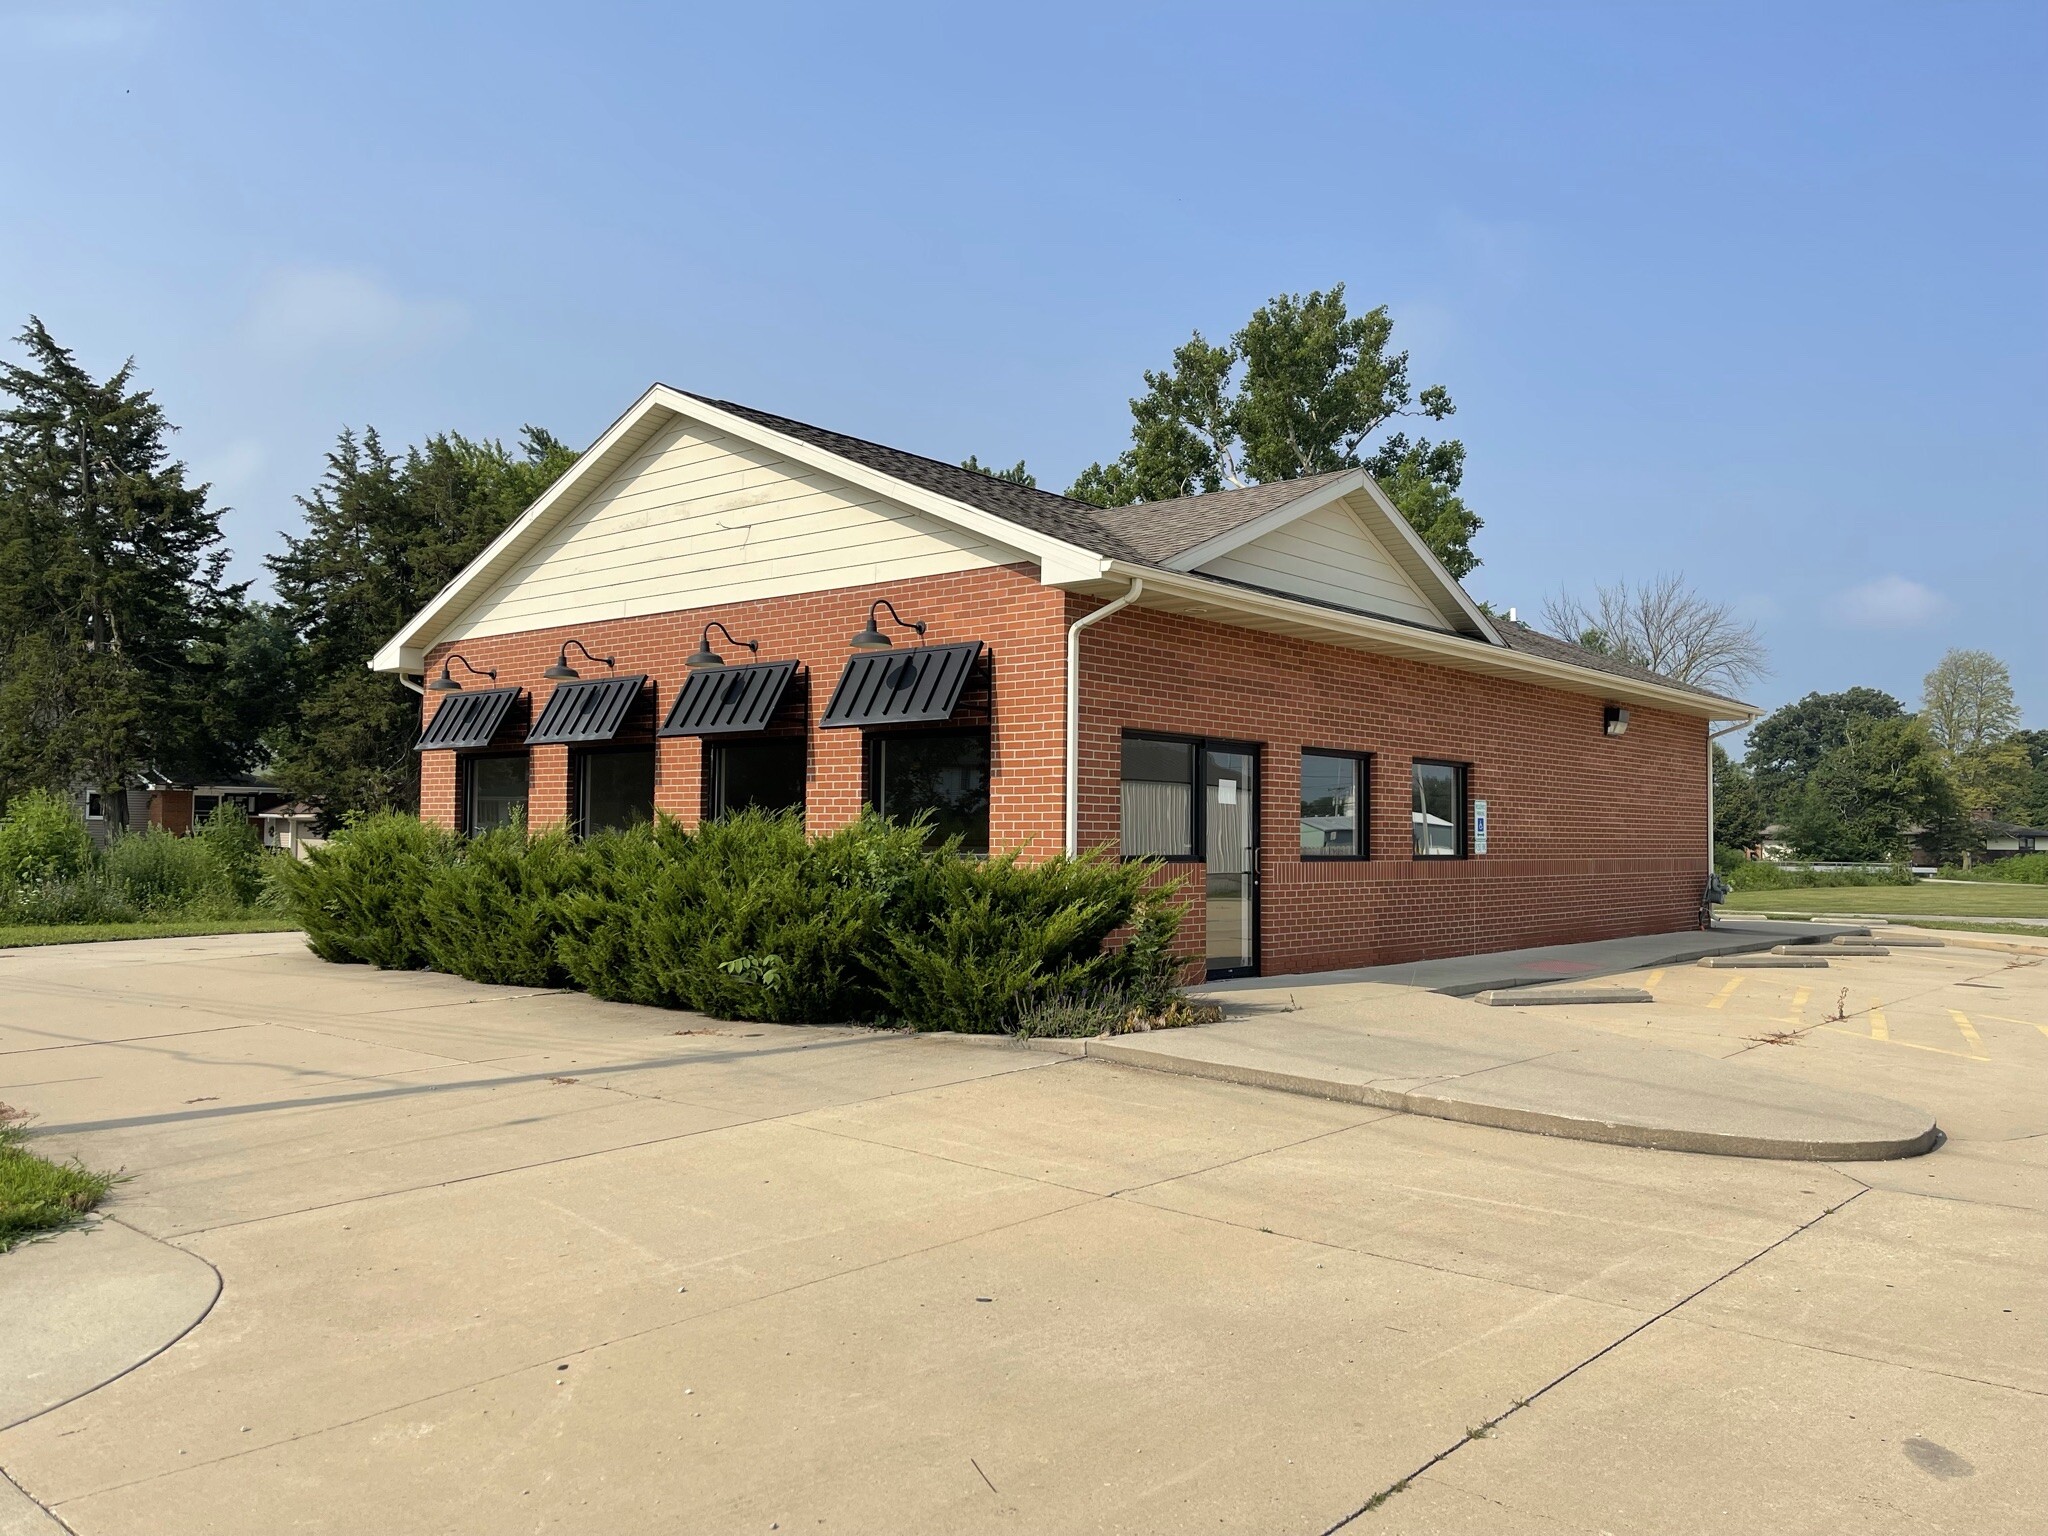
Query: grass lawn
{"points": [[1974, 899], [17, 936], [37, 1195]]}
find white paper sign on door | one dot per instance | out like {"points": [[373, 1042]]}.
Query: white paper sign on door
{"points": [[1226, 791], [1479, 826]]}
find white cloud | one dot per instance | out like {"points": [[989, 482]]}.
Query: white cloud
{"points": [[1890, 602], [302, 314]]}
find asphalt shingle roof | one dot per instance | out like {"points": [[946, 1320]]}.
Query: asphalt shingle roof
{"points": [[1147, 533], [1520, 637]]}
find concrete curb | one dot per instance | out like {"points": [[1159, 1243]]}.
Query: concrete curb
{"points": [[1764, 962], [1440, 1105], [1537, 997]]}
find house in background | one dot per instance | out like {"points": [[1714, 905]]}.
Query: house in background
{"points": [[1277, 691], [177, 807], [291, 828]]}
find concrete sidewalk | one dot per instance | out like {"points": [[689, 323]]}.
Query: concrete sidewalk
{"points": [[1403, 1037]]}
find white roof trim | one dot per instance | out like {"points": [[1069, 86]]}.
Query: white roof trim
{"points": [[1462, 652], [1405, 547], [406, 651]]}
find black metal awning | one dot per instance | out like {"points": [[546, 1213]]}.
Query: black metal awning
{"points": [[467, 719], [901, 687], [590, 710], [719, 701]]}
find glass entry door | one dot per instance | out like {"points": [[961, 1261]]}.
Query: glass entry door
{"points": [[1230, 826]]}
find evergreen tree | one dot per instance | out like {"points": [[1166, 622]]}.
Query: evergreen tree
{"points": [[383, 535], [113, 596]]}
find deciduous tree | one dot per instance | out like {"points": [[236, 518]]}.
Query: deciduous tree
{"points": [[1864, 795], [1967, 701], [1788, 744], [1297, 391], [1667, 626], [1738, 813]]}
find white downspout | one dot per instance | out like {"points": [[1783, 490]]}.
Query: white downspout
{"points": [[415, 687], [1712, 737], [1074, 708]]}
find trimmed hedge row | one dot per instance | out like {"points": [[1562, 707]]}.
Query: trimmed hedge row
{"points": [[746, 917]]}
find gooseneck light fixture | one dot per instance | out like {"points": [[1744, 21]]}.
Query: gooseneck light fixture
{"points": [[562, 672], [872, 638], [707, 657], [446, 684]]}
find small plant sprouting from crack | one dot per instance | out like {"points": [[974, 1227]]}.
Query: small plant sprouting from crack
{"points": [[1383, 1495], [1478, 1432], [1841, 1007]]}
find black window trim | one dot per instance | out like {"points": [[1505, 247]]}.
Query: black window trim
{"points": [[711, 767], [466, 786], [1463, 770], [1363, 852], [1198, 806], [579, 782], [871, 739]]}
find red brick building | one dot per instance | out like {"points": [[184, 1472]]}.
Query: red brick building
{"points": [[1277, 689]]}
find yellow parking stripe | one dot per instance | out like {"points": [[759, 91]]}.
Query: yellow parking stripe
{"points": [[1911, 1045], [1799, 997], [2007, 1019], [1879, 1030], [1969, 1031], [1650, 981], [1725, 993]]}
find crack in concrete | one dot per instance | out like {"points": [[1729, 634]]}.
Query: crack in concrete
{"points": [[1480, 1431]]}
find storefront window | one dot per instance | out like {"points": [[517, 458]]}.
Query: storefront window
{"points": [[1439, 811], [942, 772], [1158, 798], [764, 774], [1333, 797], [614, 790], [497, 791]]}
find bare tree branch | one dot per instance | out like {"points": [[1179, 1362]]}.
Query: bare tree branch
{"points": [[1666, 626]]}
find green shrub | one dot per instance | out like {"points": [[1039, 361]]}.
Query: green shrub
{"points": [[160, 873], [2023, 869], [758, 921], [358, 898], [1000, 935], [86, 899], [603, 937], [493, 914], [747, 917], [234, 849], [1760, 875], [42, 838]]}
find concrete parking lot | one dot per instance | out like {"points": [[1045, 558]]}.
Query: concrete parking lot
{"points": [[435, 1257]]}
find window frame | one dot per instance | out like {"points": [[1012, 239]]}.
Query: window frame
{"points": [[1197, 806], [468, 760], [95, 806], [1462, 776], [579, 778], [712, 773], [871, 749], [1363, 760]]}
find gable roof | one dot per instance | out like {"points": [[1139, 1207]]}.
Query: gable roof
{"points": [[1160, 530], [1076, 544]]}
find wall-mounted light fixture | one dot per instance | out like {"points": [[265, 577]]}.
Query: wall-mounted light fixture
{"points": [[1615, 720], [446, 684], [562, 672], [872, 638], [707, 657]]}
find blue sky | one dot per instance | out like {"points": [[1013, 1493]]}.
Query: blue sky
{"points": [[1757, 293]]}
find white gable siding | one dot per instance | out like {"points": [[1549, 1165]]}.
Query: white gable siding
{"points": [[700, 518], [1330, 556]]}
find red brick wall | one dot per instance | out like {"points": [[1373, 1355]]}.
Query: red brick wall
{"points": [[1591, 836], [1019, 620]]}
